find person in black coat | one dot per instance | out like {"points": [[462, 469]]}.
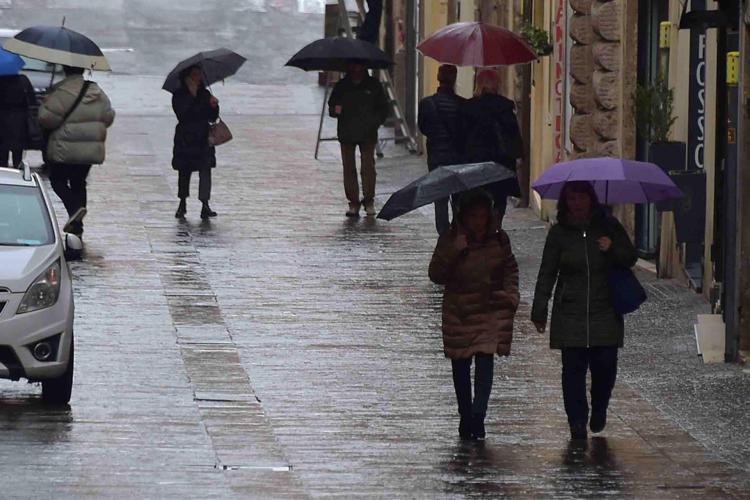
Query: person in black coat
{"points": [[491, 133], [195, 108], [438, 120], [16, 101]]}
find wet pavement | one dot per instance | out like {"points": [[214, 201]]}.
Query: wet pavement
{"points": [[284, 351]]}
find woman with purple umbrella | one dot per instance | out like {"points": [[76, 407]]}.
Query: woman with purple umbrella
{"points": [[579, 252], [16, 100]]}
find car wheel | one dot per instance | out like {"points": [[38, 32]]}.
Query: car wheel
{"points": [[57, 391]]}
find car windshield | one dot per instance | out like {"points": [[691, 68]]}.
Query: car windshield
{"points": [[24, 220], [37, 65]]}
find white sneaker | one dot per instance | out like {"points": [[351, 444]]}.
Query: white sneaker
{"points": [[353, 210], [370, 209]]}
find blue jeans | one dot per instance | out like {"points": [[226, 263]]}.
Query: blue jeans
{"points": [[483, 371]]}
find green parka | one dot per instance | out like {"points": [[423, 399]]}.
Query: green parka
{"points": [[572, 264], [364, 108]]}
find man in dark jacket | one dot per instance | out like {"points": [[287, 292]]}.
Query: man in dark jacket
{"points": [[439, 122], [16, 100], [360, 105]]}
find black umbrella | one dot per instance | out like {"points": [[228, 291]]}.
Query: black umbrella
{"points": [[333, 54], [58, 45], [441, 183], [215, 64]]}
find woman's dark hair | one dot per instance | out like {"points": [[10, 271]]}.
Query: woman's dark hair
{"points": [[474, 198], [583, 187], [186, 72]]}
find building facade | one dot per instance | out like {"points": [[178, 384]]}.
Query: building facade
{"points": [[580, 101]]}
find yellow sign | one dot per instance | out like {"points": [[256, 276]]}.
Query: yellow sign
{"points": [[733, 68], [665, 34], [731, 135]]}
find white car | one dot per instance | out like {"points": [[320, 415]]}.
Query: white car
{"points": [[36, 292]]}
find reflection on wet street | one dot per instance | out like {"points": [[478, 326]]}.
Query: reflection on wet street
{"points": [[283, 350]]}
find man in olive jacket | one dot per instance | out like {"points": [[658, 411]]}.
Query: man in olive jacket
{"points": [[76, 115], [361, 107]]}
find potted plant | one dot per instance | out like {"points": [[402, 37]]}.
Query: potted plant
{"points": [[538, 39], [654, 106]]}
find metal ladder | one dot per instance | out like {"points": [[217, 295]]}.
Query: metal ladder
{"points": [[406, 134]]}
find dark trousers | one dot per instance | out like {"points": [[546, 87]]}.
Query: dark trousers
{"points": [[5, 155], [576, 361], [442, 220], [484, 364], [204, 184], [69, 183]]}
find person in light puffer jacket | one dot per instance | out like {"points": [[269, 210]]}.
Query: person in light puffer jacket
{"points": [[76, 142]]}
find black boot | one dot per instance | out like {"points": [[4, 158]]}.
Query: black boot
{"points": [[477, 427], [206, 211], [464, 428], [578, 430], [598, 420], [181, 209]]}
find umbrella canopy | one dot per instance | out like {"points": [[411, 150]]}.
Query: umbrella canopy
{"points": [[477, 44], [10, 64], [333, 54], [441, 183], [615, 180], [58, 45], [216, 66]]}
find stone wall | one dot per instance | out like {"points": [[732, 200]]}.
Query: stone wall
{"points": [[595, 70]]}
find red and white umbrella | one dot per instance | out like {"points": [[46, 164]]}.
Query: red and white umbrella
{"points": [[477, 44]]}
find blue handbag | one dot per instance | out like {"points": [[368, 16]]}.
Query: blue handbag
{"points": [[625, 290]]}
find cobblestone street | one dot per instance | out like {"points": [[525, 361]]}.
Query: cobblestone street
{"points": [[282, 350]]}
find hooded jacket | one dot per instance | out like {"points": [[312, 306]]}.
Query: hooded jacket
{"points": [[572, 264], [481, 294], [81, 139]]}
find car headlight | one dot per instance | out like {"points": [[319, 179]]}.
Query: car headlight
{"points": [[43, 292]]}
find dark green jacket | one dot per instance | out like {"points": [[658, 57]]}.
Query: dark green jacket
{"points": [[364, 108], [582, 314]]}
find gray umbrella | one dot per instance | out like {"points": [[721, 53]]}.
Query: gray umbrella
{"points": [[216, 66], [441, 183]]}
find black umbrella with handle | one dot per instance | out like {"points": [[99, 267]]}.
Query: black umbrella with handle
{"points": [[441, 183], [216, 65], [333, 54]]}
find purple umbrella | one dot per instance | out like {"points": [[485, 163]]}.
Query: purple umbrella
{"points": [[615, 180]]}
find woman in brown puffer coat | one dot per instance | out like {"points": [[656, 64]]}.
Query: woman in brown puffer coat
{"points": [[475, 262]]}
